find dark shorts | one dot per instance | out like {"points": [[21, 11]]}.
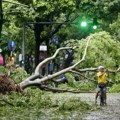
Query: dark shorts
{"points": [[99, 86]]}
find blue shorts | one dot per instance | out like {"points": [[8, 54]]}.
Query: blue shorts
{"points": [[99, 87]]}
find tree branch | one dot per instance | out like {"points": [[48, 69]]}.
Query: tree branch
{"points": [[82, 75], [27, 82], [84, 55], [58, 80], [86, 69], [118, 70], [50, 58], [64, 90], [93, 70]]}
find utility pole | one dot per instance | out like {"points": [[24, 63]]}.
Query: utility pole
{"points": [[23, 47]]}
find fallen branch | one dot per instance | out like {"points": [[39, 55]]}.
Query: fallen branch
{"points": [[27, 82], [50, 58], [46, 88], [84, 55], [58, 80], [86, 69], [93, 70], [82, 75]]}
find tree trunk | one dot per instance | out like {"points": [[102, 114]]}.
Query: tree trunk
{"points": [[37, 51], [48, 46], [38, 28], [1, 17]]}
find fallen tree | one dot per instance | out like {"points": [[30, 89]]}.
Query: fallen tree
{"points": [[30, 81], [37, 79]]}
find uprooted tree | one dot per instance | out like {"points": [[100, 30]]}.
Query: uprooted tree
{"points": [[37, 79]]}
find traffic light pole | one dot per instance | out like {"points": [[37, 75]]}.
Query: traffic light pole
{"points": [[45, 23]]}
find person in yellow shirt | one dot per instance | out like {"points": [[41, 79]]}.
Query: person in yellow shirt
{"points": [[102, 81]]}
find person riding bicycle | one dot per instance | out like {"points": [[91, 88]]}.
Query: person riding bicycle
{"points": [[102, 81]]}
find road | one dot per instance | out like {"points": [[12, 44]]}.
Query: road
{"points": [[109, 112]]}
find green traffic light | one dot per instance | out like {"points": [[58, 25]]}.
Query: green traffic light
{"points": [[94, 27], [83, 23], [95, 23]]}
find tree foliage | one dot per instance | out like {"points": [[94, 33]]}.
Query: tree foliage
{"points": [[41, 105], [104, 50], [58, 11], [115, 28], [39, 11]]}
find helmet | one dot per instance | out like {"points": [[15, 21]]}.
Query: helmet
{"points": [[101, 67]]}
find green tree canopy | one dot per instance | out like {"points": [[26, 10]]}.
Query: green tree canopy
{"points": [[106, 12], [103, 50]]}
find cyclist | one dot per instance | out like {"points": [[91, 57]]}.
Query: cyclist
{"points": [[102, 80]]}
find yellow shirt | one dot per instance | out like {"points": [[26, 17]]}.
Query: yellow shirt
{"points": [[103, 78]]}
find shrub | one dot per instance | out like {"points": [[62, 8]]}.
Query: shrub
{"points": [[18, 75], [115, 88]]}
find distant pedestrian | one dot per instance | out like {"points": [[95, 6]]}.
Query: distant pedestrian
{"points": [[1, 58], [51, 67]]}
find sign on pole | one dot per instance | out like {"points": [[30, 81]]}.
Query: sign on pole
{"points": [[11, 45]]}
